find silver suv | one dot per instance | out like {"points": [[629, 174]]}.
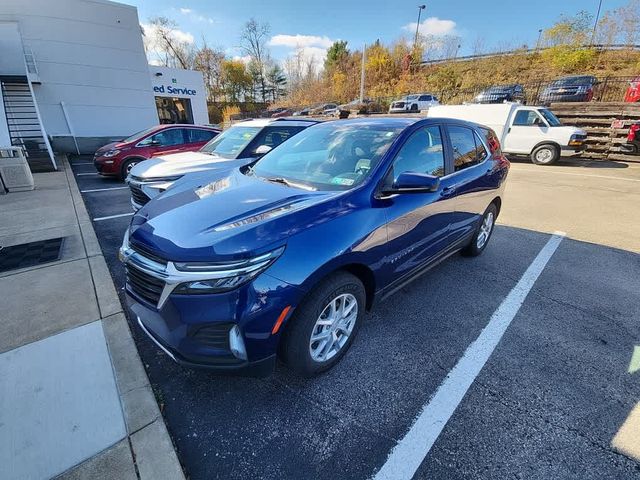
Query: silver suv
{"points": [[240, 144]]}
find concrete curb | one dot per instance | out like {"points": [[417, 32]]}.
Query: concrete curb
{"points": [[150, 445]]}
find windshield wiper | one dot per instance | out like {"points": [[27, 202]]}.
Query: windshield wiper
{"points": [[289, 183]]}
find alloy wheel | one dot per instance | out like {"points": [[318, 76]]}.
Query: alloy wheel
{"points": [[544, 155], [333, 327], [485, 230]]}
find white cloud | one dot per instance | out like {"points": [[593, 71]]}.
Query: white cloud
{"points": [[432, 26], [295, 41], [197, 17], [151, 34]]}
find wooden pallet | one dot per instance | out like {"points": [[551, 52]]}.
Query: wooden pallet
{"points": [[596, 118]]}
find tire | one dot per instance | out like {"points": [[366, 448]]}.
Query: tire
{"points": [[414, 107], [545, 155], [481, 237], [297, 349], [127, 166]]}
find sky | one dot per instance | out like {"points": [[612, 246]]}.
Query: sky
{"points": [[314, 25]]}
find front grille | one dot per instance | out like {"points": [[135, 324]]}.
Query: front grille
{"points": [[144, 285], [138, 195], [213, 335], [147, 253]]}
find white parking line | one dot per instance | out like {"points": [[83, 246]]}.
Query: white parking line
{"points": [[98, 219], [103, 189], [81, 163], [409, 453], [608, 177], [81, 174]]}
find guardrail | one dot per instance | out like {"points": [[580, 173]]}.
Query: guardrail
{"points": [[526, 51]]}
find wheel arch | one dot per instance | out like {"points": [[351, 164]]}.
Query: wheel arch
{"points": [[546, 142]]}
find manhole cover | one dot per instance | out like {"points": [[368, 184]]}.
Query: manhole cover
{"points": [[30, 254]]}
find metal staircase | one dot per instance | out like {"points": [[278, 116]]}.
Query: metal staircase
{"points": [[25, 126]]}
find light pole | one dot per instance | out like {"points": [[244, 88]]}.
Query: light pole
{"points": [[415, 40], [539, 37], [595, 23]]}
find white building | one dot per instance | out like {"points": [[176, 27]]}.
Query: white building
{"points": [[75, 72]]}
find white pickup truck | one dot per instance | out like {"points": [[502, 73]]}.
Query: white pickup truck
{"points": [[523, 130]]}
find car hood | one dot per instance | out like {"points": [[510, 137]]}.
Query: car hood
{"points": [[110, 146], [226, 216], [179, 164]]}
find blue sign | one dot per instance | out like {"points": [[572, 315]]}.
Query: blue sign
{"points": [[174, 90]]}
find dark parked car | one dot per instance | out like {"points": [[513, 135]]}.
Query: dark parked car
{"points": [[367, 105], [633, 140], [118, 158], [501, 94], [578, 88], [285, 255]]}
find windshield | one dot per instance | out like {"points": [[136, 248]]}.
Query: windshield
{"points": [[139, 135], [573, 81], [231, 142], [551, 119], [331, 156], [411, 97]]}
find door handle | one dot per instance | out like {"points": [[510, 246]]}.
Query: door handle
{"points": [[448, 191]]}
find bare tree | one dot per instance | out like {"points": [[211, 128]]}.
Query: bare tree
{"points": [[254, 43], [209, 61], [171, 50]]}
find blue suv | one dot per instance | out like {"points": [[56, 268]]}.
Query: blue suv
{"points": [[281, 258]]}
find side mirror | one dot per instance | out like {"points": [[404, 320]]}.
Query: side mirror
{"points": [[413, 182], [262, 149], [154, 143]]}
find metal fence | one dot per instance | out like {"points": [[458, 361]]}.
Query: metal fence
{"points": [[608, 89]]}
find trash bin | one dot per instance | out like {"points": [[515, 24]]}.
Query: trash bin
{"points": [[15, 173]]}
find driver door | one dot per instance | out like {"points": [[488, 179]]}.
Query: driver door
{"points": [[526, 131], [165, 142], [418, 223]]}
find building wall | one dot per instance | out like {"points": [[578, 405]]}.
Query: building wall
{"points": [[89, 55], [182, 84]]}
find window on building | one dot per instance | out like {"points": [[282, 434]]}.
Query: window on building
{"points": [[174, 110]]}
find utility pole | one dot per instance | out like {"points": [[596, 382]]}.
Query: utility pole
{"points": [[539, 37], [595, 23], [415, 40], [364, 53]]}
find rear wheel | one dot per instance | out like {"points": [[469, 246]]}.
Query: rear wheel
{"points": [[324, 325], [545, 155], [483, 233]]}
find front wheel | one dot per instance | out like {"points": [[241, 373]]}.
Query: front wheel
{"points": [[545, 155], [483, 233], [127, 166], [323, 326]]}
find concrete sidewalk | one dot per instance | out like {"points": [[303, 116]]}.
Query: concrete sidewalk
{"points": [[75, 399]]}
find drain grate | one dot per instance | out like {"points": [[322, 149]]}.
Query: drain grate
{"points": [[30, 254]]}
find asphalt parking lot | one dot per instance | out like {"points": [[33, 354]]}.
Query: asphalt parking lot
{"points": [[555, 399]]}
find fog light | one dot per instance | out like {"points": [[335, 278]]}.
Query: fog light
{"points": [[237, 344]]}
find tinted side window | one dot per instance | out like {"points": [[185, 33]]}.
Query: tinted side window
{"points": [[464, 147], [481, 151], [166, 138], [526, 118], [424, 98], [421, 153], [274, 136], [200, 135]]}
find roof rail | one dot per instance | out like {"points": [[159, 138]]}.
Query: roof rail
{"points": [[296, 119]]}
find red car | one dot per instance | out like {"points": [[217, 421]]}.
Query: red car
{"points": [[633, 92], [118, 158]]}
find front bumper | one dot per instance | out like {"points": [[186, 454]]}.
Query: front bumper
{"points": [[548, 98], [572, 150], [106, 166]]}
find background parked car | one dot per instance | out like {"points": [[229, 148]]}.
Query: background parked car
{"points": [[242, 143], [280, 112], [303, 112], [633, 92], [633, 140], [325, 109], [577, 88], [501, 93], [366, 106], [117, 158], [414, 102]]}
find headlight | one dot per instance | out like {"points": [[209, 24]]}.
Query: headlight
{"points": [[110, 153], [222, 277]]}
